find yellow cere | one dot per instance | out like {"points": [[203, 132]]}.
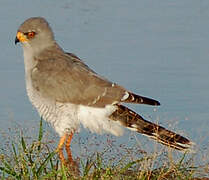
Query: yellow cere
{"points": [[21, 37]]}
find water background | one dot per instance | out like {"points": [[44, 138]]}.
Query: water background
{"points": [[158, 49]]}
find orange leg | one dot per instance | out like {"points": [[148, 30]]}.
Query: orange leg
{"points": [[60, 148], [71, 164], [67, 148]]}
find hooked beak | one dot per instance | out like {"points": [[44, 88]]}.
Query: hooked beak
{"points": [[20, 37], [16, 40]]}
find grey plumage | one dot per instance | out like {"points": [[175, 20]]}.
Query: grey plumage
{"points": [[66, 92], [67, 79]]}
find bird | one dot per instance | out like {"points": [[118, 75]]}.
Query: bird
{"points": [[67, 93]]}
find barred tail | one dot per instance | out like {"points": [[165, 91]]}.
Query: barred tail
{"points": [[135, 122], [134, 98]]}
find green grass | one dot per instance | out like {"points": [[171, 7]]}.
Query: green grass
{"points": [[37, 160]]}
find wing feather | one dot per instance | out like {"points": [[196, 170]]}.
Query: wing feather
{"points": [[63, 77]]}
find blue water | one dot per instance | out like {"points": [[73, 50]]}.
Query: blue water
{"points": [[158, 49]]}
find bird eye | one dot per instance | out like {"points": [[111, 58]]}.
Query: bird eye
{"points": [[30, 34]]}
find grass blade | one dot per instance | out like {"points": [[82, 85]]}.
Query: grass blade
{"points": [[9, 170], [23, 144], [40, 134], [43, 165], [15, 153]]}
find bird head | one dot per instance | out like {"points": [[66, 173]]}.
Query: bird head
{"points": [[35, 33]]}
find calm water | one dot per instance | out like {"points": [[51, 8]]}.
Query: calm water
{"points": [[155, 48]]}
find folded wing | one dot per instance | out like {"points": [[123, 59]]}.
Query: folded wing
{"points": [[65, 78]]}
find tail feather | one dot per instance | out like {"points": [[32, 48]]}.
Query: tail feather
{"points": [[134, 98], [133, 121]]}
